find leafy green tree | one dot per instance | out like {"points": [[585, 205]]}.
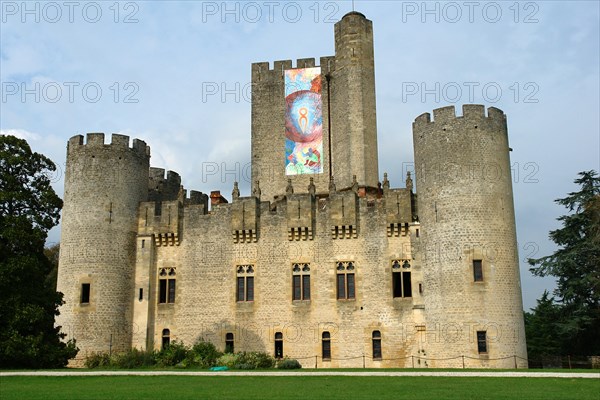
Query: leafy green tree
{"points": [[544, 334], [52, 253], [29, 207], [576, 265]]}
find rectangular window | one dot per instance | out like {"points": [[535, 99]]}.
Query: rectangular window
{"points": [[241, 288], [249, 288], [481, 342], [326, 350], [141, 295], [326, 346], [377, 349], [402, 284], [166, 291], [477, 271], [171, 291], [406, 284], [85, 293], [162, 291], [346, 288], [305, 287], [341, 286], [350, 281], [245, 288], [297, 282], [397, 283]]}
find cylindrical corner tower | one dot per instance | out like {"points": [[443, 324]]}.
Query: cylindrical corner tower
{"points": [[471, 283], [104, 184], [353, 115]]}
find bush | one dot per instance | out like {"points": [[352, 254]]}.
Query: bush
{"points": [[288, 363], [97, 360], [202, 354], [171, 355], [133, 358], [257, 360], [229, 360]]}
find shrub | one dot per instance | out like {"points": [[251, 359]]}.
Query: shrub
{"points": [[202, 354], [258, 360], [97, 360], [288, 363], [229, 360], [171, 355], [133, 358]]}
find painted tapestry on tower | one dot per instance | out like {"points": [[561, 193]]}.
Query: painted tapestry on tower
{"points": [[303, 122]]}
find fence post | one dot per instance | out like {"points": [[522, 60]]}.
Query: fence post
{"points": [[110, 346], [515, 357], [364, 361], [316, 362], [463, 360], [413, 361]]}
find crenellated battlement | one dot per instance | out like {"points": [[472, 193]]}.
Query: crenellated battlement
{"points": [[262, 71], [342, 210], [161, 188], [118, 143], [470, 112]]}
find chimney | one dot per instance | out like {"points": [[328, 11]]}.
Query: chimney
{"points": [[216, 198]]}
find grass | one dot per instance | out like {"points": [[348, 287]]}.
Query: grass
{"points": [[294, 387]]}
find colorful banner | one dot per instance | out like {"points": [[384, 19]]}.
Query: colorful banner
{"points": [[303, 122]]}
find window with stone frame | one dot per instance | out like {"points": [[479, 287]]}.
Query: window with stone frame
{"points": [[166, 285], [345, 280], [482, 342], [229, 343], [376, 340], [401, 279], [244, 283], [478, 270], [278, 345], [326, 346], [301, 281], [85, 293], [166, 338]]}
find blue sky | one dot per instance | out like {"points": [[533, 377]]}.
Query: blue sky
{"points": [[176, 75]]}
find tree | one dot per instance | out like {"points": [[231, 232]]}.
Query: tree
{"points": [[29, 207], [52, 253], [576, 265], [544, 334]]}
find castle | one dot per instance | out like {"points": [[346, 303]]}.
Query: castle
{"points": [[322, 262]]}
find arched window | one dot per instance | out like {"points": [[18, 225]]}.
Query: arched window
{"points": [[166, 338], [376, 345], [326, 346], [229, 342], [278, 345]]}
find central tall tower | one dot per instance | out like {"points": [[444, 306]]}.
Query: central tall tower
{"points": [[317, 121], [353, 116]]}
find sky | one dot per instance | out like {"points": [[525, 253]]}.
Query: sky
{"points": [[177, 75]]}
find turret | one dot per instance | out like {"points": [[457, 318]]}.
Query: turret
{"points": [[472, 289], [353, 115], [104, 184]]}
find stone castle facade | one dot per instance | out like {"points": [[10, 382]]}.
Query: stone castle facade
{"points": [[335, 269]]}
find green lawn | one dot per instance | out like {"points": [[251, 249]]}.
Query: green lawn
{"points": [[294, 387]]}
